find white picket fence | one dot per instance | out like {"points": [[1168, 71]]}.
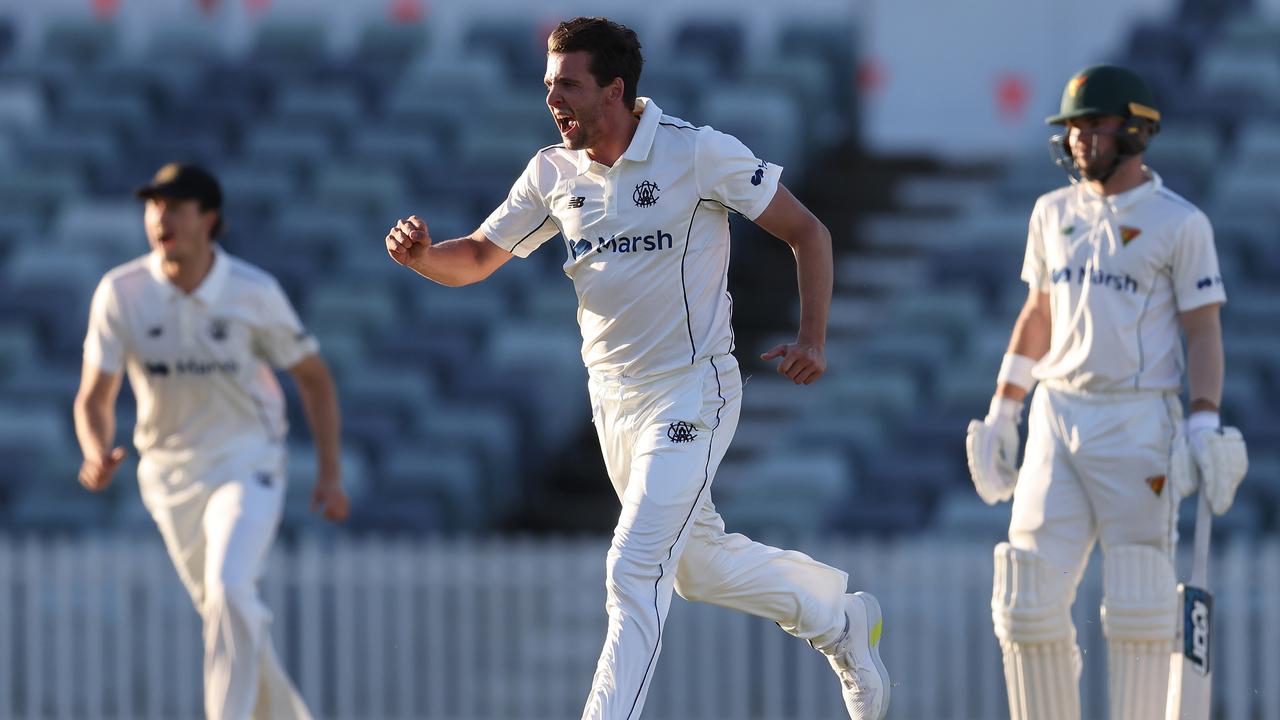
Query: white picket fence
{"points": [[99, 627]]}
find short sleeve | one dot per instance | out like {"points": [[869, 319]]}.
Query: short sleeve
{"points": [[522, 222], [732, 175], [1197, 280], [105, 341], [279, 336], [1035, 272]]}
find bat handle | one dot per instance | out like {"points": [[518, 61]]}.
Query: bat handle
{"points": [[1200, 554]]}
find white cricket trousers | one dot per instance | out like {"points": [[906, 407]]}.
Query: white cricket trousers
{"points": [[218, 525], [663, 439], [1095, 469]]}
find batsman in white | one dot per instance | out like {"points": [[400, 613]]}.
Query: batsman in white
{"points": [[1117, 264], [198, 330], [642, 201]]}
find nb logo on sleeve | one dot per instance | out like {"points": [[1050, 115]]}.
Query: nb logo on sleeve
{"points": [[759, 174]]}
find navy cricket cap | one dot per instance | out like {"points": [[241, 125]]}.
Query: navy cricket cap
{"points": [[184, 182]]}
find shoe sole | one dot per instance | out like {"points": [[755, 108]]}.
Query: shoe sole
{"points": [[875, 628]]}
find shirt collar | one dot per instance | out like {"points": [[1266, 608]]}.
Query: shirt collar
{"points": [[641, 141], [1128, 198], [209, 288]]}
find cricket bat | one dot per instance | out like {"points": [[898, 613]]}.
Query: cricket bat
{"points": [[1190, 674]]}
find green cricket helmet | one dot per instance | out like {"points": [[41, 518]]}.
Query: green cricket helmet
{"points": [[1106, 90]]}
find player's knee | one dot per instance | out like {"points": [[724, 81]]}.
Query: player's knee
{"points": [[226, 590], [627, 575], [1031, 598], [1140, 594]]}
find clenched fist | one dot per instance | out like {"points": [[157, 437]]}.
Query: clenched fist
{"points": [[408, 240]]}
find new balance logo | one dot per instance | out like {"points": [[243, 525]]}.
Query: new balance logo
{"points": [[759, 174], [263, 478], [576, 201], [155, 331]]}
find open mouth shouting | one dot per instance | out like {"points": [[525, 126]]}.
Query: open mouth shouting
{"points": [[567, 125]]}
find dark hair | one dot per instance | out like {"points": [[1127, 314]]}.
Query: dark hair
{"points": [[614, 48]]}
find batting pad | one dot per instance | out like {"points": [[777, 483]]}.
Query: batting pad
{"points": [[1031, 612], [1139, 616]]}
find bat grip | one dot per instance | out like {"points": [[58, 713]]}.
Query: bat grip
{"points": [[1200, 554]]}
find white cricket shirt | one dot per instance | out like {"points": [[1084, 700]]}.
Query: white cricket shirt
{"points": [[646, 241], [1118, 270], [199, 364]]}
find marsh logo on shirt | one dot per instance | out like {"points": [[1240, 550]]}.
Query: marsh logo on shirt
{"points": [[1095, 277], [659, 240], [155, 331]]}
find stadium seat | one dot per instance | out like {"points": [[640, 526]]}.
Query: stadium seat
{"points": [[22, 104], [81, 41], [768, 122], [290, 43], [396, 147], [515, 43], [801, 488], [294, 147], [391, 45], [329, 108], [363, 306], [872, 389], [719, 41], [1258, 142], [950, 310], [183, 43], [112, 226], [961, 513], [490, 434], [445, 476], [364, 188], [884, 273], [19, 348]]}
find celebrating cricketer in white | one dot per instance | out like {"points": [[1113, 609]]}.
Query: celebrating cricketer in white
{"points": [[641, 200], [1117, 265], [197, 331]]}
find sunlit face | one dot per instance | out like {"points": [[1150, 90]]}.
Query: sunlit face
{"points": [[177, 228], [1092, 140], [575, 99]]}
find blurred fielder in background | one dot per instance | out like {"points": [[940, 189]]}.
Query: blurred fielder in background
{"points": [[197, 329], [642, 201], [1117, 264]]}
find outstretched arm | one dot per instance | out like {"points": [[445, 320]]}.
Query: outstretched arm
{"points": [[457, 262], [787, 219]]}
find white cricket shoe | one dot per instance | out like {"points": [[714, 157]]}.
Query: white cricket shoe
{"points": [[856, 659]]}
